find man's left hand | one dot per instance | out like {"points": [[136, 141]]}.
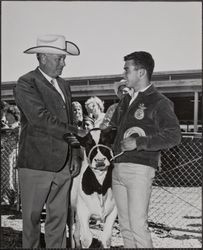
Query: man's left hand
{"points": [[75, 166], [76, 161], [128, 144]]}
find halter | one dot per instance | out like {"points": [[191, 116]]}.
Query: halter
{"points": [[104, 146]]}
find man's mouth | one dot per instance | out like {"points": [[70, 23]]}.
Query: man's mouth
{"points": [[61, 69]]}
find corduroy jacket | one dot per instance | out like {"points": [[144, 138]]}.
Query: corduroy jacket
{"points": [[152, 113], [45, 118]]}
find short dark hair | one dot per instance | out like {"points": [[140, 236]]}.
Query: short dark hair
{"points": [[142, 59]]}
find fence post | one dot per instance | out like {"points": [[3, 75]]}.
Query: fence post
{"points": [[195, 111]]}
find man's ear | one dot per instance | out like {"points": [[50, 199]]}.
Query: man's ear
{"points": [[142, 73]]}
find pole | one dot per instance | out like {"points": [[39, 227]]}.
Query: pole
{"points": [[195, 111]]}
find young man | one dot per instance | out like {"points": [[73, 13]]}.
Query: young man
{"points": [[46, 163], [146, 124]]}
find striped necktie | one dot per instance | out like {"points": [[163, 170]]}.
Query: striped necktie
{"points": [[56, 86]]}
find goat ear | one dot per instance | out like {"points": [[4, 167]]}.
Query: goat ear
{"points": [[110, 133], [83, 140]]}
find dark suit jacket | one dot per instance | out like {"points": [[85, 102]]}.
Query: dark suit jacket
{"points": [[45, 118]]}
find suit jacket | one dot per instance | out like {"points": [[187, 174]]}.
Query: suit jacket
{"points": [[45, 118]]}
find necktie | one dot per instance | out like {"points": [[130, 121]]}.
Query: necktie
{"points": [[56, 86]]}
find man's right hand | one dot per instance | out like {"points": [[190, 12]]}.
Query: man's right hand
{"points": [[128, 144], [72, 140], [82, 132]]}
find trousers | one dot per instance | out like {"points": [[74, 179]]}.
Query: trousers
{"points": [[132, 185], [37, 189]]}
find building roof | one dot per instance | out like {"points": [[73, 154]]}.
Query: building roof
{"points": [[174, 82]]}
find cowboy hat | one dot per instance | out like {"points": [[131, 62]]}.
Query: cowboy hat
{"points": [[118, 84], [54, 44]]}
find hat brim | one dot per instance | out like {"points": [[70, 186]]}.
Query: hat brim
{"points": [[71, 49]]}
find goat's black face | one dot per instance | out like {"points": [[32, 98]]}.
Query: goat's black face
{"points": [[97, 144]]}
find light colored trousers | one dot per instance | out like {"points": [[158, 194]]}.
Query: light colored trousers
{"points": [[37, 188], [132, 185]]}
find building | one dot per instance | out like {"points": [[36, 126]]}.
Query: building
{"points": [[184, 88]]}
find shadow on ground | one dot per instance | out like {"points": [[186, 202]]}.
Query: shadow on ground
{"points": [[185, 237], [11, 239]]}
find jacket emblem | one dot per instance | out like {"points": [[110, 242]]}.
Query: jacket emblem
{"points": [[139, 113]]}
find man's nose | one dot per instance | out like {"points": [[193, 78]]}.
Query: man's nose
{"points": [[3, 120], [62, 62], [124, 75]]}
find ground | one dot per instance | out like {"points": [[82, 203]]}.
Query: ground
{"points": [[11, 233]]}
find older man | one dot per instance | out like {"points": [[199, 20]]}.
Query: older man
{"points": [[45, 161]]}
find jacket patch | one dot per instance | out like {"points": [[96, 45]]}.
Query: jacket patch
{"points": [[139, 113], [135, 131]]}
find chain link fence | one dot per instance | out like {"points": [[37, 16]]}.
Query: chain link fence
{"points": [[9, 177], [176, 193]]}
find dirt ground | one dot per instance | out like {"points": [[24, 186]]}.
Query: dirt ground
{"points": [[11, 233]]}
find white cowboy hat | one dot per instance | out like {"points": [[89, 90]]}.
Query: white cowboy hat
{"points": [[118, 84], [54, 44]]}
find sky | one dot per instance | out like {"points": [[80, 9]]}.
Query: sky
{"points": [[105, 32]]}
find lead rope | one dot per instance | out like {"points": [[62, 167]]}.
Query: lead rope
{"points": [[115, 156], [104, 146]]}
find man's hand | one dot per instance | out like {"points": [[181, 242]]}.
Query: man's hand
{"points": [[82, 132], [71, 140], [75, 166], [76, 161], [128, 144]]}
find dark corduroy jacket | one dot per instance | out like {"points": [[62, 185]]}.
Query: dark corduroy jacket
{"points": [[153, 113], [45, 118]]}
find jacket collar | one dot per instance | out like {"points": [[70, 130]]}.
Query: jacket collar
{"points": [[149, 91], [43, 78], [46, 81], [49, 78]]}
